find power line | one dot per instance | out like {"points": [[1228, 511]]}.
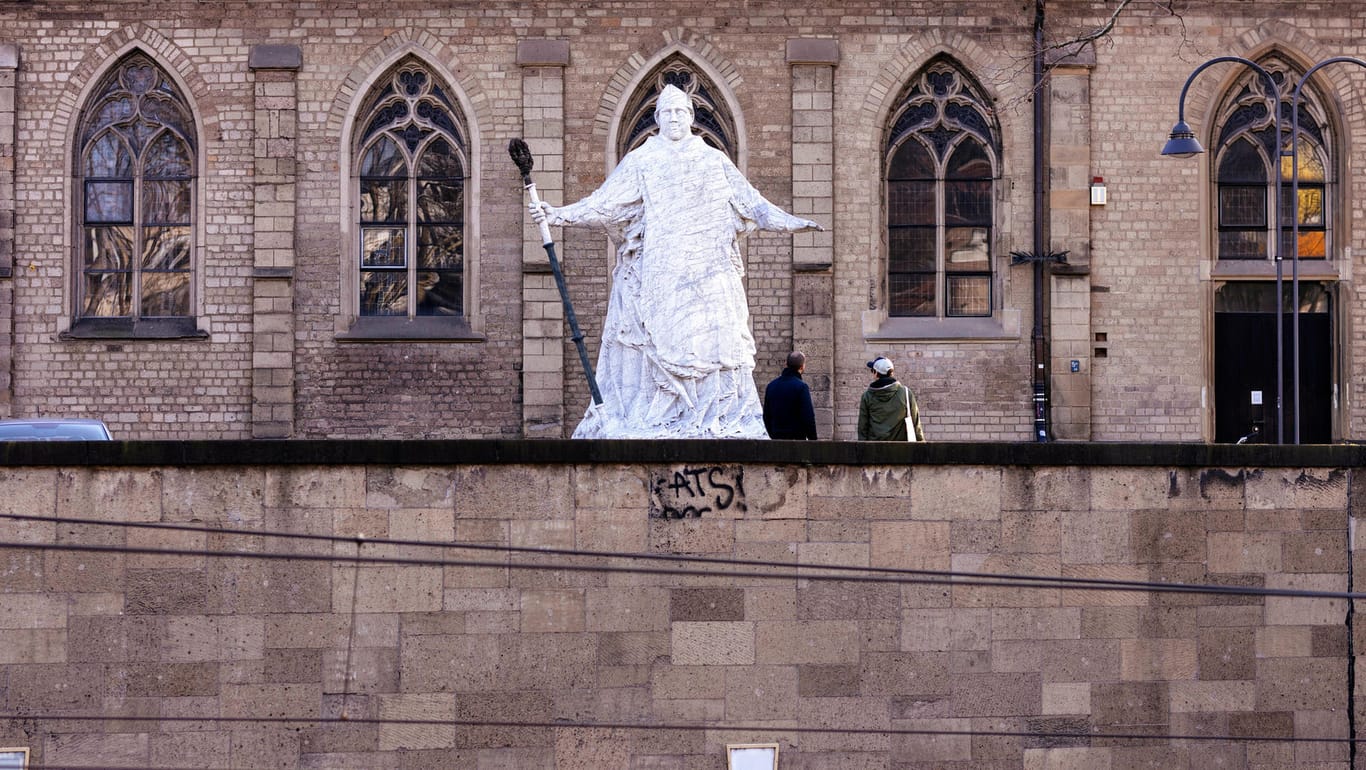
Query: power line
{"points": [[897, 576], [688, 727], [947, 577], [527, 566], [797, 571]]}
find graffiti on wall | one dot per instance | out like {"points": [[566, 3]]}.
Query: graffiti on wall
{"points": [[691, 492]]}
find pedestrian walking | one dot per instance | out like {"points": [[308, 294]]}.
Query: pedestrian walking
{"points": [[888, 410], [788, 413]]}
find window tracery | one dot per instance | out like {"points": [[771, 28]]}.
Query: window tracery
{"points": [[1247, 160], [136, 174], [941, 156], [412, 167]]}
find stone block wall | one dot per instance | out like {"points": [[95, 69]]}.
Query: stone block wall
{"points": [[480, 657]]}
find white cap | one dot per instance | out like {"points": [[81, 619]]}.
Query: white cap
{"points": [[881, 365]]}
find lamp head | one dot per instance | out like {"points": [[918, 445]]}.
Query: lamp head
{"points": [[1182, 143]]}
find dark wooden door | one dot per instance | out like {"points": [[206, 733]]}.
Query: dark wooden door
{"points": [[1245, 365]]}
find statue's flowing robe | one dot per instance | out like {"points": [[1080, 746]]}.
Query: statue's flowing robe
{"points": [[677, 355]]}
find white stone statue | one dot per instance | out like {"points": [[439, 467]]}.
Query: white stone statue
{"points": [[677, 356]]}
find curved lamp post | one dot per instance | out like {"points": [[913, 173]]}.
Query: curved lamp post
{"points": [[1295, 222], [1183, 144]]}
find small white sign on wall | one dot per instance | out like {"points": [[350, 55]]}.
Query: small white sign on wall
{"points": [[752, 756]]}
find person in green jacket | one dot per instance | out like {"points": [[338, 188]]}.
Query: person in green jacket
{"points": [[885, 405]]}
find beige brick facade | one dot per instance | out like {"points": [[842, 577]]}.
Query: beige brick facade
{"points": [[9, 64], [527, 663], [276, 87]]}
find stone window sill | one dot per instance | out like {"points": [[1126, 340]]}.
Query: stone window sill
{"points": [[941, 329], [400, 329], [1261, 269], [130, 329]]}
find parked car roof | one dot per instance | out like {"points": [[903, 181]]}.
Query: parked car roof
{"points": [[53, 429]]}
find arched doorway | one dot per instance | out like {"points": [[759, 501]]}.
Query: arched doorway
{"points": [[1245, 382]]}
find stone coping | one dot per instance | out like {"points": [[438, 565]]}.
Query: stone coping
{"points": [[589, 452]]}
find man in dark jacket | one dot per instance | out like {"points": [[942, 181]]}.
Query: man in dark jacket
{"points": [[787, 403], [885, 407]]}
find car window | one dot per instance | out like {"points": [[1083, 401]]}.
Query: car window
{"points": [[53, 431]]}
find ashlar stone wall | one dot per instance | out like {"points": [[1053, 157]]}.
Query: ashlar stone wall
{"points": [[486, 658]]}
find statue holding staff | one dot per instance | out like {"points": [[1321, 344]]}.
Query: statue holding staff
{"points": [[677, 355]]}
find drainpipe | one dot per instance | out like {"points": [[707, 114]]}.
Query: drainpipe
{"points": [[1039, 340]]}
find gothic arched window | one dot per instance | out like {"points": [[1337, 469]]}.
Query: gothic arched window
{"points": [[941, 164], [711, 120], [136, 205], [1247, 164], [411, 166]]}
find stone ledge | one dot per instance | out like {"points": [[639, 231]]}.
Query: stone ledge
{"points": [[813, 50], [275, 57], [1084, 57], [633, 452], [542, 52]]}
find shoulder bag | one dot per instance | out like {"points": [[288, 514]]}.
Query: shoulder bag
{"points": [[910, 423]]}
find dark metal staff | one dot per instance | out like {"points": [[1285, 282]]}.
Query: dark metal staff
{"points": [[521, 155]]}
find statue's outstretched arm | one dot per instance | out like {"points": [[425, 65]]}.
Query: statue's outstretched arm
{"points": [[607, 204], [759, 212]]}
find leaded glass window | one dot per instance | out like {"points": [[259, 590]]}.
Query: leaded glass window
{"points": [[941, 152], [1247, 162], [411, 172], [136, 191], [711, 120]]}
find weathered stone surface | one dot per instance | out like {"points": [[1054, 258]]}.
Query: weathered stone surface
{"points": [[416, 706], [319, 487], [1227, 653], [1066, 698], [92, 750], [943, 630], [1226, 696], [805, 642], [1045, 488], [1157, 659], [854, 482], [1059, 661], [552, 611], [713, 643], [948, 493], [141, 635], [910, 545], [1142, 707], [761, 693], [190, 494], [1297, 489], [691, 604]]}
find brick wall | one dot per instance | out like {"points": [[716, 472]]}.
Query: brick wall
{"points": [[811, 137], [9, 63], [999, 668]]}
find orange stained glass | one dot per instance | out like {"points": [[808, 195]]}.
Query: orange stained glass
{"points": [[1312, 245], [1311, 164]]}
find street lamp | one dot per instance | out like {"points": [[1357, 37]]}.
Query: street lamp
{"points": [[1183, 144], [1295, 221]]}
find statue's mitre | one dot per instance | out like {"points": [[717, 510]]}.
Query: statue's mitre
{"points": [[673, 96]]}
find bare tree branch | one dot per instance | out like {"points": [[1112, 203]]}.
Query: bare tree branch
{"points": [[1075, 44], [1060, 49]]}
